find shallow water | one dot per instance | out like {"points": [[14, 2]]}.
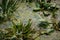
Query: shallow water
{"points": [[25, 12]]}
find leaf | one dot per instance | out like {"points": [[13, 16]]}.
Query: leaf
{"points": [[36, 9], [45, 14], [38, 5], [43, 24], [27, 27], [53, 9], [58, 25], [8, 8], [14, 38], [46, 6], [42, 0], [20, 27]]}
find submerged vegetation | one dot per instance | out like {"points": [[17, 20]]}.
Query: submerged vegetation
{"points": [[23, 31], [48, 6], [8, 7]]}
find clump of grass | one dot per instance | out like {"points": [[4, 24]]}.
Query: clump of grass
{"points": [[17, 32], [8, 7], [43, 6]]}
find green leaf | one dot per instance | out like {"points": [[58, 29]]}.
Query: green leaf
{"points": [[37, 5], [27, 27], [43, 24], [53, 9], [49, 31], [36, 9], [8, 7], [46, 6], [59, 24], [42, 0], [45, 14]]}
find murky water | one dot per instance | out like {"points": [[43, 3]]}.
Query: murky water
{"points": [[24, 13]]}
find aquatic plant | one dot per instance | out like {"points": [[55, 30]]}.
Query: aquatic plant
{"points": [[18, 32], [8, 7], [43, 6]]}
